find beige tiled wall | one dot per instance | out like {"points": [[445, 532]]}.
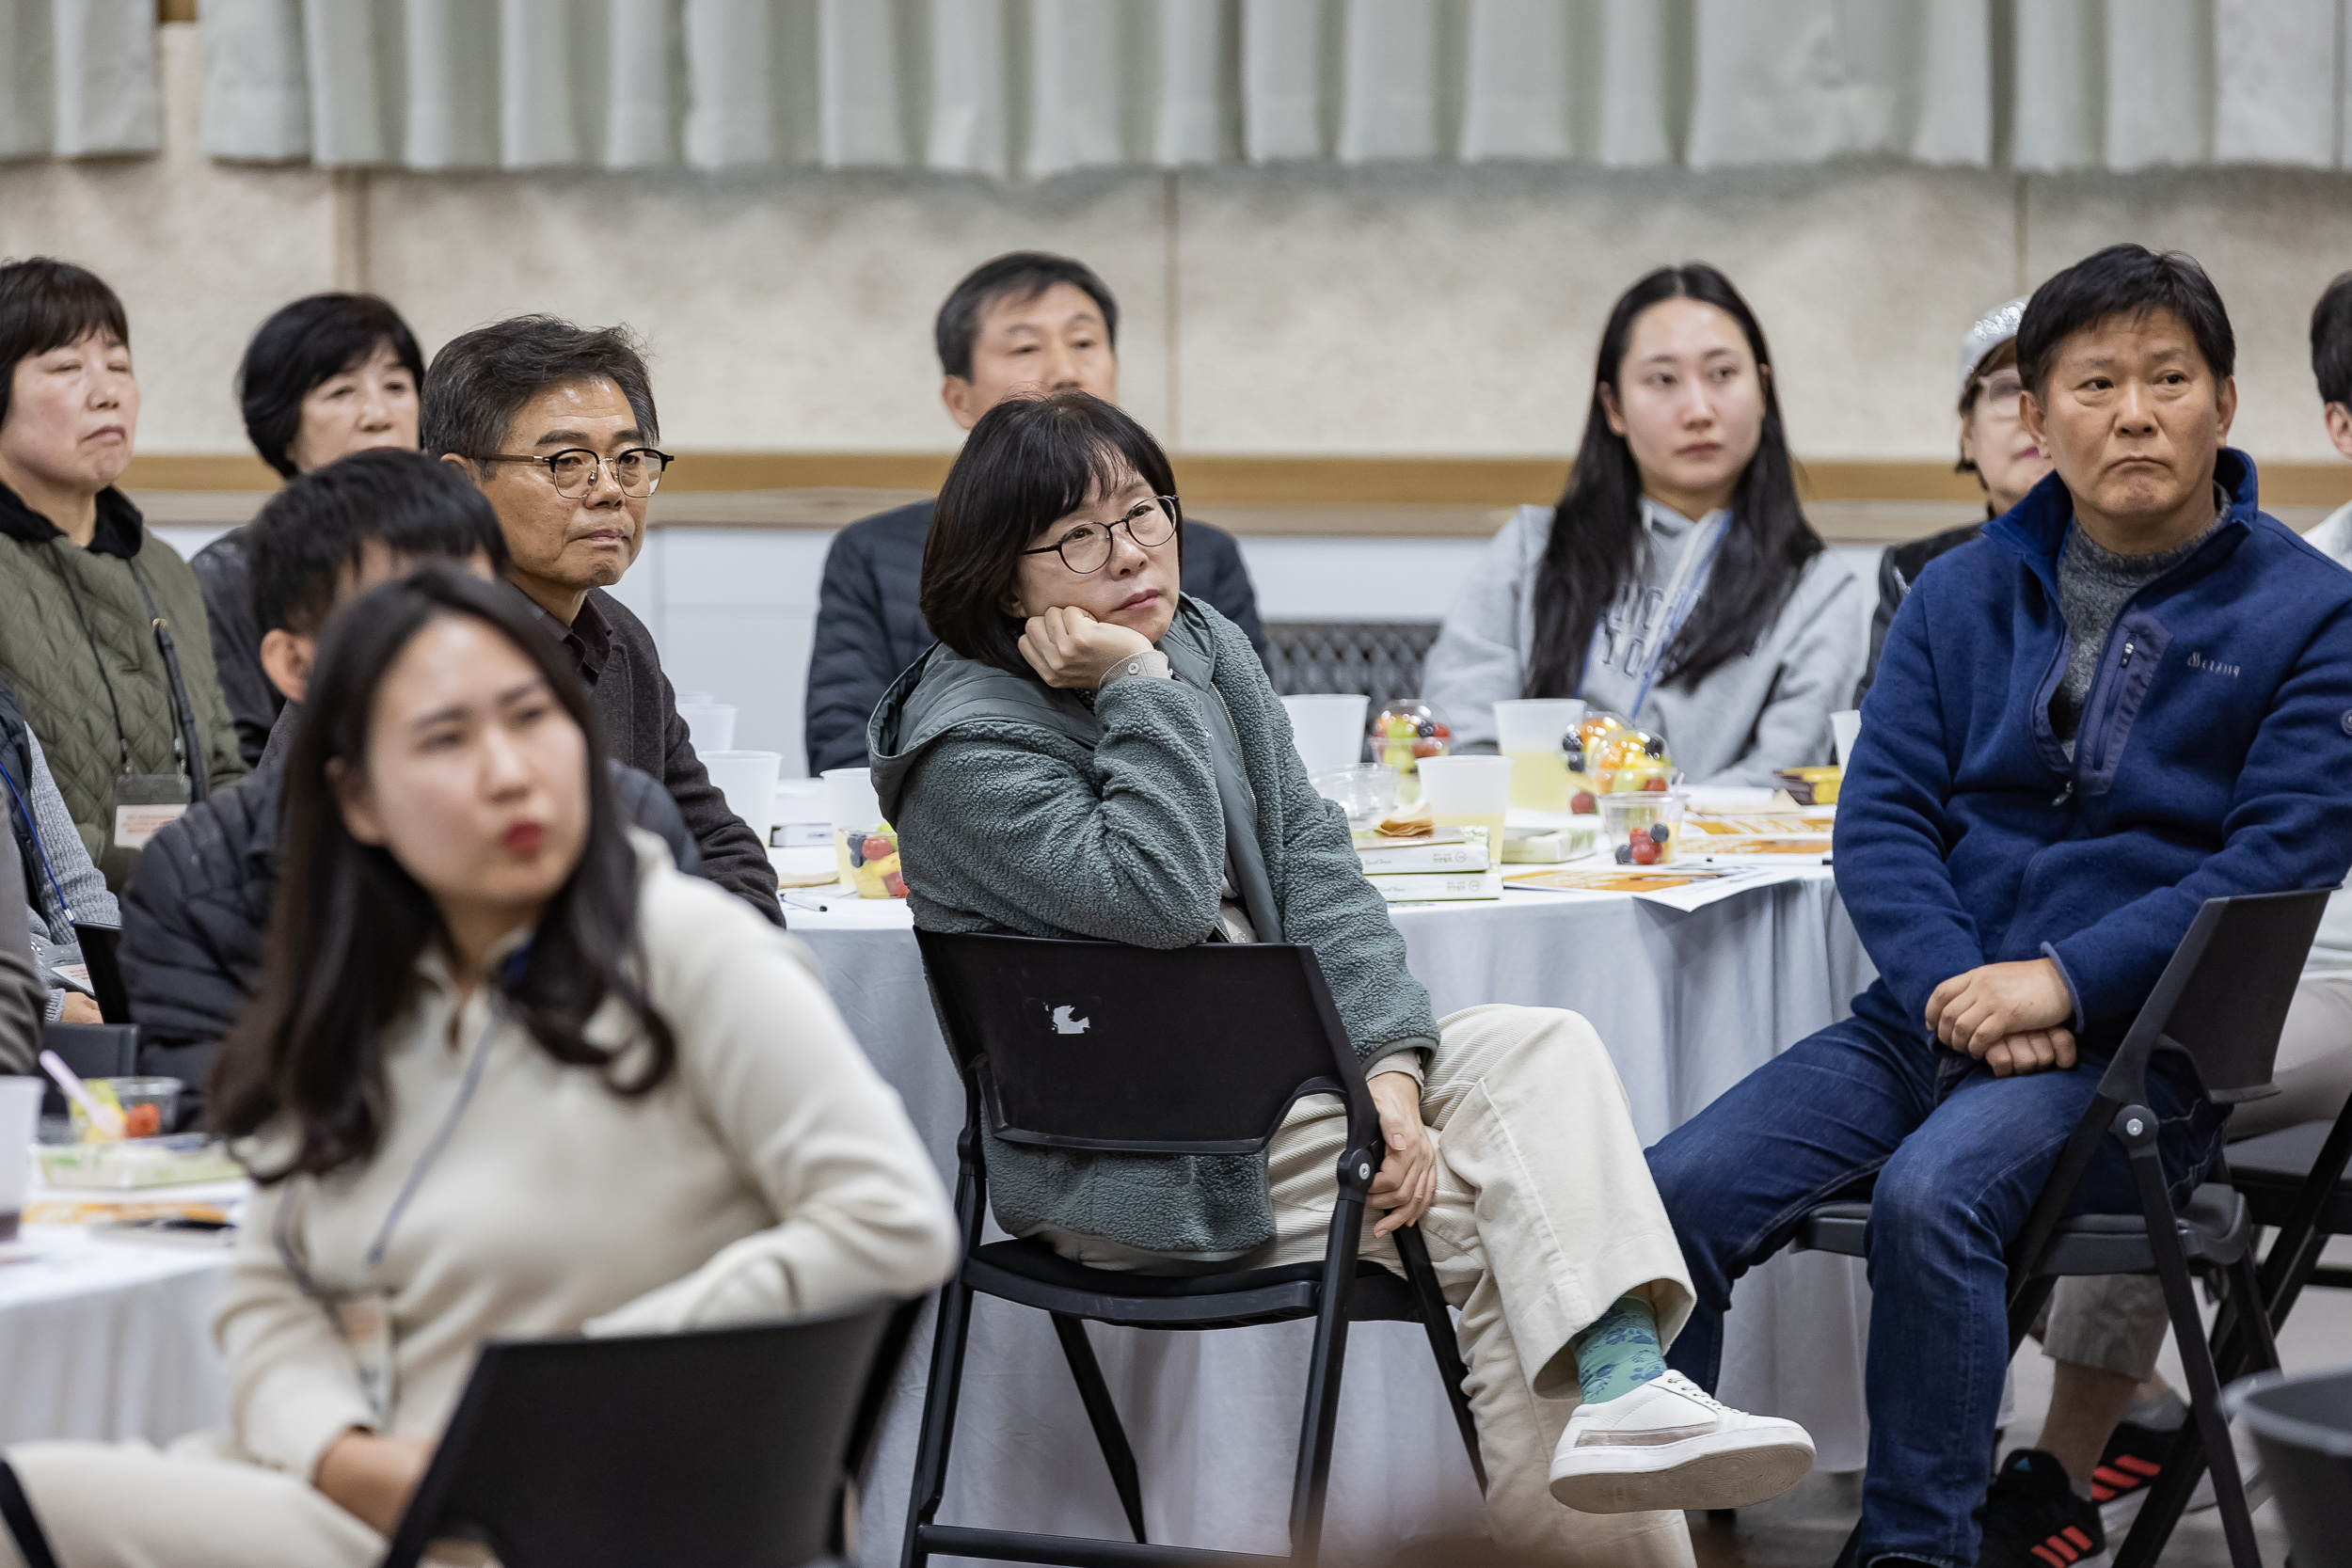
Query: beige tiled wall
{"points": [[1301, 310]]}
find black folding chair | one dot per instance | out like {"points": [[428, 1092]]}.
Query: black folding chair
{"points": [[2220, 1001], [1120, 1049], [2292, 1181], [93, 1050], [722, 1447]]}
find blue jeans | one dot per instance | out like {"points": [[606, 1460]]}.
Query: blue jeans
{"points": [[1958, 1157]]}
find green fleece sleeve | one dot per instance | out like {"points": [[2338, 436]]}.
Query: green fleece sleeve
{"points": [[1026, 832], [1327, 903]]}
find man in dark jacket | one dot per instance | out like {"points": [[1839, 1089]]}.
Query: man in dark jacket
{"points": [[195, 917], [1024, 321], [555, 423], [2133, 693]]}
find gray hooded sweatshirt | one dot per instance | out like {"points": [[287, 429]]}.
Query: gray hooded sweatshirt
{"points": [[1768, 709], [1022, 810]]}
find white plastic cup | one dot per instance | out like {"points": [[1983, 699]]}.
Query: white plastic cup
{"points": [[1468, 792], [1845, 727], [850, 799], [748, 780], [19, 1115], [1536, 723], [709, 726], [1328, 729]]}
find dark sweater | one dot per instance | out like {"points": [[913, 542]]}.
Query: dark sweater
{"points": [[869, 620], [615, 656], [225, 573]]}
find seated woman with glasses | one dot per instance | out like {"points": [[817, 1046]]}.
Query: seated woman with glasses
{"points": [[1995, 446], [1677, 582], [1065, 763], [509, 1074]]}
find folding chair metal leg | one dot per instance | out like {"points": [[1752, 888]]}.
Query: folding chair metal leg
{"points": [[948, 1333], [1322, 1415], [1444, 1344], [2136, 1126], [1109, 1435]]}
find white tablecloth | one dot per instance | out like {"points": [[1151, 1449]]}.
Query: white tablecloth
{"points": [[1688, 1003], [107, 1339]]}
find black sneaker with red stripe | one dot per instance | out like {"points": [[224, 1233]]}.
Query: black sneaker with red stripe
{"points": [[2032, 1518], [2134, 1456]]}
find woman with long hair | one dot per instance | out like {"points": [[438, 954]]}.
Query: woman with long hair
{"points": [[1678, 582], [1089, 753], [508, 1074]]}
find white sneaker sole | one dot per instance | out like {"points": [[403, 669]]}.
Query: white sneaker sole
{"points": [[1733, 1469]]}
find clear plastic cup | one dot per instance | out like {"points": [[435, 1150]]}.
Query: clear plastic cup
{"points": [[748, 780], [1642, 826], [1367, 794], [147, 1106], [20, 1112], [1468, 792], [1327, 728], [1529, 731]]}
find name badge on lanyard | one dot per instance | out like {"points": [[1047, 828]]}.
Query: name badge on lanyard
{"points": [[362, 1318], [144, 802]]}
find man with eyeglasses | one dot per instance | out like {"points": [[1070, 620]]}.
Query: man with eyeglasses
{"points": [[555, 424], [1995, 446], [1026, 323]]}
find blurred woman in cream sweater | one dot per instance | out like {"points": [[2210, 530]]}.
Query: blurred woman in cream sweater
{"points": [[509, 1074]]}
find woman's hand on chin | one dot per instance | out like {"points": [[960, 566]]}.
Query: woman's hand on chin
{"points": [[1070, 649]]}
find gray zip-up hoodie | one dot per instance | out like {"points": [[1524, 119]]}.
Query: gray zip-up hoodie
{"points": [[1768, 709], [1021, 810]]}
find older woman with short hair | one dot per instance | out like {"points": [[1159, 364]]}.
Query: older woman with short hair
{"points": [[101, 624], [329, 375], [1089, 753]]}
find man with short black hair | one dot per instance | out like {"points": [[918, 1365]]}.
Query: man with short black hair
{"points": [[2132, 693], [2331, 367], [1026, 322], [196, 916], [555, 423]]}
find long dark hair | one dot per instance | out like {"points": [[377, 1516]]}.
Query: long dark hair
{"points": [[349, 922], [1597, 538], [1027, 462]]}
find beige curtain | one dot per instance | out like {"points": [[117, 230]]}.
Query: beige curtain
{"points": [[1038, 87], [77, 78]]}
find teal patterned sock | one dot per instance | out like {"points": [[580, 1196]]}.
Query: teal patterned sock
{"points": [[1619, 1351]]}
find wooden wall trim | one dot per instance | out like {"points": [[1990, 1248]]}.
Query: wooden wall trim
{"points": [[1850, 501]]}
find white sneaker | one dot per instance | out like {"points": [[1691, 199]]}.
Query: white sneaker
{"points": [[1668, 1445]]}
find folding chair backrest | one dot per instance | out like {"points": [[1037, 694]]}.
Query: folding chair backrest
{"points": [[2224, 997], [93, 1050], [722, 1448], [1096, 1045]]}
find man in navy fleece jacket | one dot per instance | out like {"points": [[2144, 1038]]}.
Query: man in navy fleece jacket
{"points": [[2133, 693]]}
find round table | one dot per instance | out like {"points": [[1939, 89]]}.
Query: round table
{"points": [[109, 1340], [1688, 1003]]}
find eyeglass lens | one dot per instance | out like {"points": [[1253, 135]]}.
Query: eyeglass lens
{"points": [[636, 471], [1087, 547]]}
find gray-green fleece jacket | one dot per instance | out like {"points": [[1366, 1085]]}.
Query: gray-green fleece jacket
{"points": [[1021, 810]]}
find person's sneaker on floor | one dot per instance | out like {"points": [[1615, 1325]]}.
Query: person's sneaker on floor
{"points": [[2134, 1458], [2034, 1518], [1667, 1445]]}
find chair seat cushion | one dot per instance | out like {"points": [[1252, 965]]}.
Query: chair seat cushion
{"points": [[2270, 1171], [2213, 1228], [1035, 1274]]}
